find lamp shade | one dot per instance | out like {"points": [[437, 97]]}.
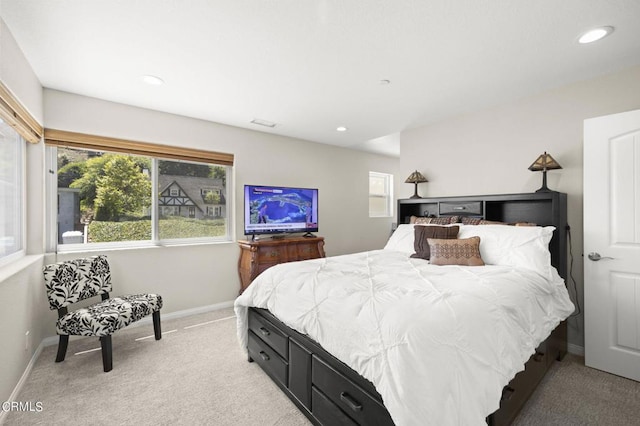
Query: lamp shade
{"points": [[416, 177], [544, 162]]}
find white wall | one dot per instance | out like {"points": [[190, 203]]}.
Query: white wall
{"points": [[22, 302], [489, 151]]}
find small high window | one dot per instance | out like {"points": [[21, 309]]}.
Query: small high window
{"points": [[380, 194]]}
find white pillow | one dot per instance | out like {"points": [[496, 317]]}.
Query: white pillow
{"points": [[517, 246], [402, 239]]}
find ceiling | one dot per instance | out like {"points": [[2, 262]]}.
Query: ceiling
{"points": [[313, 65]]}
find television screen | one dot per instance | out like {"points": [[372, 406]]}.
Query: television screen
{"points": [[275, 209]]}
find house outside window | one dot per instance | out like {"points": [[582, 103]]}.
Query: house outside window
{"points": [[380, 194], [11, 191], [112, 198]]}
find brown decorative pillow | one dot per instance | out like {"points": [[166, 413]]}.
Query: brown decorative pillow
{"points": [[443, 220], [423, 233], [465, 251], [479, 221]]}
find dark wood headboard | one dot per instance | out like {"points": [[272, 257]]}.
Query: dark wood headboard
{"points": [[541, 208]]}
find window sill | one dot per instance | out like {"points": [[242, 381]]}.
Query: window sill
{"points": [[18, 265], [88, 248]]}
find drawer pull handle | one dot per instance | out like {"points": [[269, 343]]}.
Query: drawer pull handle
{"points": [[507, 393], [264, 331], [264, 356], [459, 208], [350, 401], [538, 356]]}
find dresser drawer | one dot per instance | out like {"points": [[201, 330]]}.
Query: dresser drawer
{"points": [[467, 208], [307, 251], [348, 396], [268, 359], [269, 333], [272, 254], [327, 412]]}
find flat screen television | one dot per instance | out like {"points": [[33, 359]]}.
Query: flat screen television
{"points": [[279, 209]]}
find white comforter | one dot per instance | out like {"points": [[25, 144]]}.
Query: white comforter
{"points": [[438, 342]]}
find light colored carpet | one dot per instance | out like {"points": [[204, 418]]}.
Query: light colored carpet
{"points": [[193, 376], [198, 375]]}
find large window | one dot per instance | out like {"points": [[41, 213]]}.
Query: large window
{"points": [[11, 199], [111, 197], [380, 194]]}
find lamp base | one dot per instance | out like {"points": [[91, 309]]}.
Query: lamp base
{"points": [[544, 187], [415, 191]]}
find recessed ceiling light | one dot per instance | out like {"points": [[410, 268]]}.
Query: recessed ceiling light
{"points": [[595, 35], [152, 80], [263, 122], [341, 129]]}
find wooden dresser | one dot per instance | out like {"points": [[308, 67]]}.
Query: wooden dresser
{"points": [[256, 256]]}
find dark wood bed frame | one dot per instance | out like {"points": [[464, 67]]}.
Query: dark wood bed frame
{"points": [[330, 393]]}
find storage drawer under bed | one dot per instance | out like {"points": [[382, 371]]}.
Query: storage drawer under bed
{"points": [[268, 359], [358, 404], [327, 412], [522, 385], [268, 332]]}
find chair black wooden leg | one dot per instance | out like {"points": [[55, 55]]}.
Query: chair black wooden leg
{"points": [[157, 330], [107, 361], [62, 347]]}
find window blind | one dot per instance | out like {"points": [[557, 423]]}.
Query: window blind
{"points": [[103, 143], [13, 113]]}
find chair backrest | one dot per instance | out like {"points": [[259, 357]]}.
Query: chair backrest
{"points": [[74, 280]]}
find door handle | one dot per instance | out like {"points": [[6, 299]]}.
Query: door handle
{"points": [[596, 256]]}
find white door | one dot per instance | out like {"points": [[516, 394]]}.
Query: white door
{"points": [[612, 235]]}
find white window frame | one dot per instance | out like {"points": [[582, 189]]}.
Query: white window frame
{"points": [[22, 203], [387, 195], [52, 208]]}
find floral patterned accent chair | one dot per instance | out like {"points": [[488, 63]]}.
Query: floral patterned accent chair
{"points": [[75, 280]]}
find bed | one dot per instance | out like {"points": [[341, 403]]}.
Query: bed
{"points": [[381, 338]]}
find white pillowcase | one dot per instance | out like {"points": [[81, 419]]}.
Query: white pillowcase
{"points": [[518, 246], [402, 239]]}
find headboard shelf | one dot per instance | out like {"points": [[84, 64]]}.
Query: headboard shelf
{"points": [[541, 208]]}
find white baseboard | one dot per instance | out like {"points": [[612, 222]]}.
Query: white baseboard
{"points": [[23, 379], [185, 313], [53, 340], [575, 349]]}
